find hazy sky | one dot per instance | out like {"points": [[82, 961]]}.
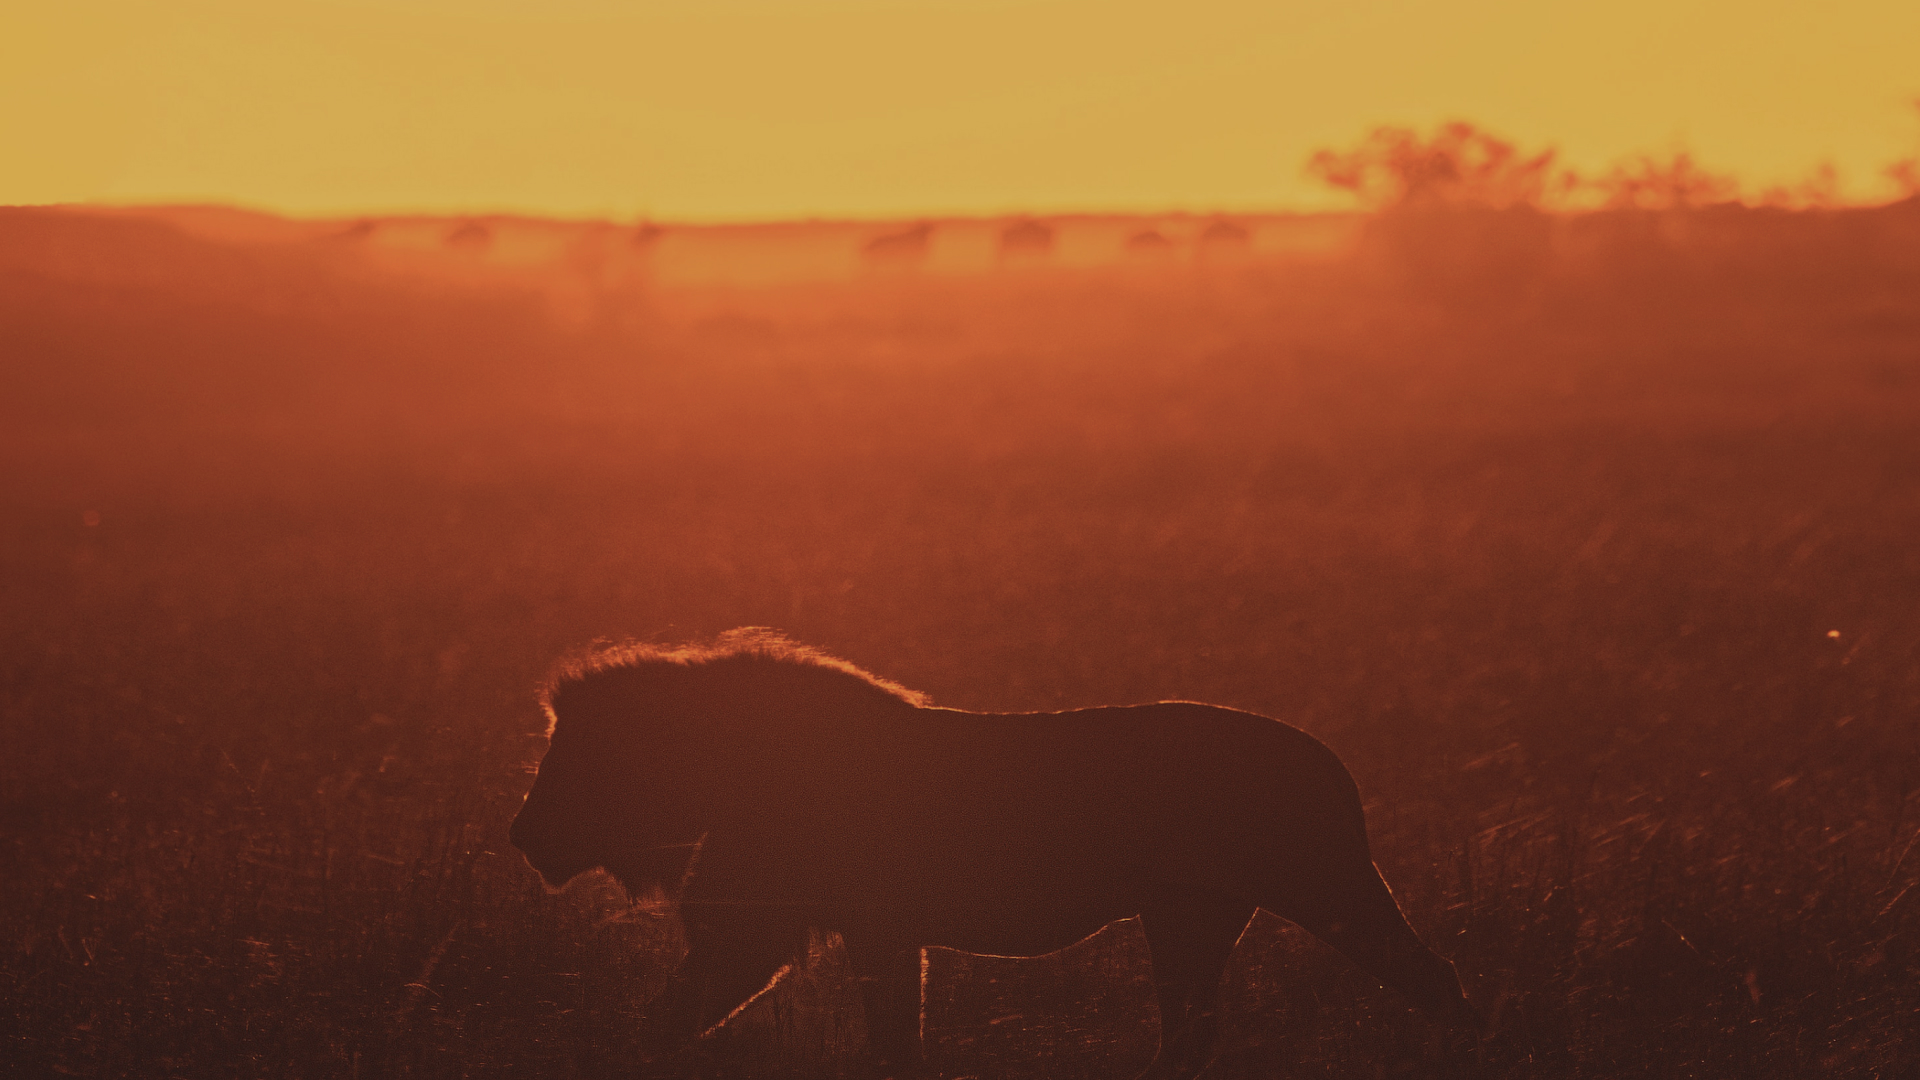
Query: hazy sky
{"points": [[730, 109]]}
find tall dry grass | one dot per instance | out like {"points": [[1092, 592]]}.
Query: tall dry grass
{"points": [[1550, 547]]}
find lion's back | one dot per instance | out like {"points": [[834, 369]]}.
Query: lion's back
{"points": [[1121, 768]]}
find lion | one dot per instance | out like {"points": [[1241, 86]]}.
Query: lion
{"points": [[776, 790]]}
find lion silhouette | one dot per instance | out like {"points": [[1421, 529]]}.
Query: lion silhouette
{"points": [[780, 790]]}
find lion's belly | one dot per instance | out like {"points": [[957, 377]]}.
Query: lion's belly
{"points": [[1029, 930], [978, 884]]}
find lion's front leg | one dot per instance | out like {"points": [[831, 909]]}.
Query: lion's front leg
{"points": [[734, 952]]}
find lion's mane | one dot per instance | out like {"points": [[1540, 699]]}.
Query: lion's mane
{"points": [[754, 646]]}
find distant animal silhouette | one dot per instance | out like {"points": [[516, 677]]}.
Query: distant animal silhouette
{"points": [[905, 248], [1223, 241], [811, 794], [1150, 243], [1025, 237], [1148, 238], [1222, 231], [470, 234]]}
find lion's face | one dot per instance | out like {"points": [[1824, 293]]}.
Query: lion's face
{"points": [[582, 812], [552, 828]]}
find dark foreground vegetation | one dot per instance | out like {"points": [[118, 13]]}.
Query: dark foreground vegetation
{"points": [[1588, 543]]}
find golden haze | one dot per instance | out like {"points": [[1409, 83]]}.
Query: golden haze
{"points": [[744, 109]]}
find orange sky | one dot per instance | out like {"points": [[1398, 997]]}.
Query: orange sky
{"points": [[743, 109]]}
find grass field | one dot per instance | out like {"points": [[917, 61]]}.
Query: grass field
{"points": [[1598, 568]]}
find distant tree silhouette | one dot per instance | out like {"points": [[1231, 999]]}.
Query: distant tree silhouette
{"points": [[1820, 190], [1679, 183], [1460, 211], [1906, 173], [1459, 165]]}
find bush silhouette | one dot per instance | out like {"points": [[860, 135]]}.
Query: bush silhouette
{"points": [[1459, 165]]}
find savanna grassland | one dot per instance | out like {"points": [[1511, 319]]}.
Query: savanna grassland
{"points": [[1588, 542]]}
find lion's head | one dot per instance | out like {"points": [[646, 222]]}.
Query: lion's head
{"points": [[649, 746]]}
